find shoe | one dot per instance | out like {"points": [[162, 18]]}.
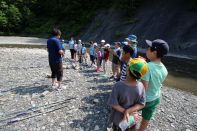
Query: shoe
{"points": [[116, 79], [111, 77], [59, 88], [54, 86]]}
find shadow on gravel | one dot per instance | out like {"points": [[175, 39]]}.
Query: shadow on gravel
{"points": [[102, 87], [24, 90], [97, 113], [66, 81]]}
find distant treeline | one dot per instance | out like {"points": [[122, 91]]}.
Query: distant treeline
{"points": [[34, 17]]}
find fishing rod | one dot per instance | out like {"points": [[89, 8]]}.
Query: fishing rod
{"points": [[34, 109]]}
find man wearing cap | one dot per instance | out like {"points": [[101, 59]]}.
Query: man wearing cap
{"points": [[132, 41], [153, 80]]}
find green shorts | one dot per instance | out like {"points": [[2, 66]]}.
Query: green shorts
{"points": [[149, 109]]}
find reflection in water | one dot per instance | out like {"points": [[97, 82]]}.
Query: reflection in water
{"points": [[182, 74]]}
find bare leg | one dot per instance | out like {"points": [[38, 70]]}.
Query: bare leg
{"points": [[53, 81], [104, 70], [59, 84], [143, 125]]}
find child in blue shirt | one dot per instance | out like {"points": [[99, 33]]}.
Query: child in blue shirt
{"points": [[92, 53]]}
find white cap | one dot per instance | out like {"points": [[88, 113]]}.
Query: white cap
{"points": [[107, 45], [125, 43], [95, 44], [79, 40], [103, 41]]}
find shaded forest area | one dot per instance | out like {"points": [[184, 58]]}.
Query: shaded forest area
{"points": [[37, 17]]}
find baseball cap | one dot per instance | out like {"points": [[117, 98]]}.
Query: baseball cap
{"points": [[118, 43], [125, 43], [159, 45], [132, 38], [107, 45], [95, 44], [103, 41], [138, 67]]}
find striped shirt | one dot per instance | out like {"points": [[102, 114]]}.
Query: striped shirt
{"points": [[123, 72]]}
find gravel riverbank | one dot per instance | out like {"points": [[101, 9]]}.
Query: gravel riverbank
{"points": [[27, 101]]}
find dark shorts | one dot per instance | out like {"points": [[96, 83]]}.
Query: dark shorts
{"points": [[92, 58], [100, 62], [57, 71], [149, 109], [72, 51]]}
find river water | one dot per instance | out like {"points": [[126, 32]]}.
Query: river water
{"points": [[182, 71]]}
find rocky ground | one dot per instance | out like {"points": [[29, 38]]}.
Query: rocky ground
{"points": [[27, 101]]}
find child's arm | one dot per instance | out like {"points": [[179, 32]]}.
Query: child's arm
{"points": [[134, 108], [113, 99], [118, 108]]}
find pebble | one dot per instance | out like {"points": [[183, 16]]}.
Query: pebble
{"points": [[96, 128], [89, 109], [188, 130], [96, 101], [62, 124], [43, 128]]}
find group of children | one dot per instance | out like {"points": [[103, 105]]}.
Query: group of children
{"points": [[139, 83], [78, 51], [99, 54], [139, 87]]}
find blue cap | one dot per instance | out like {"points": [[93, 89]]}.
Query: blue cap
{"points": [[132, 38]]}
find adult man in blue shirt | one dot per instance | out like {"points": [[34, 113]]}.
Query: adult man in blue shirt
{"points": [[55, 53]]}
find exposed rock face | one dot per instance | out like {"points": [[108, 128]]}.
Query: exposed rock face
{"points": [[172, 20]]}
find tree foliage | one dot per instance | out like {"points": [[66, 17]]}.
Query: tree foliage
{"points": [[39, 16]]}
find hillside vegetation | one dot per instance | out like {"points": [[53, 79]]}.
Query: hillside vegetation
{"points": [[33, 17]]}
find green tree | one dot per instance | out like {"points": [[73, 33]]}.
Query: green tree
{"points": [[14, 18]]}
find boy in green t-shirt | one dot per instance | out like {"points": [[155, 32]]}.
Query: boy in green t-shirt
{"points": [[153, 80]]}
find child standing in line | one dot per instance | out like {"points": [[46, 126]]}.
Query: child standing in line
{"points": [[84, 54], [132, 41], [98, 59], [153, 80], [71, 47], [128, 96], [116, 61], [79, 46], [127, 52], [92, 53], [106, 56]]}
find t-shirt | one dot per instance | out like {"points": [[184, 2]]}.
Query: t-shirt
{"points": [[134, 51], [156, 75], [83, 50], [71, 44], [125, 96], [123, 72], [53, 46], [92, 50], [102, 52], [106, 54], [99, 55], [79, 46], [116, 59]]}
